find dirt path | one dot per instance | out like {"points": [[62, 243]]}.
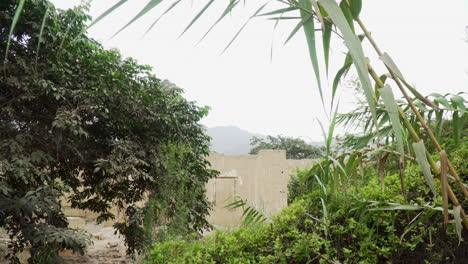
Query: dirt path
{"points": [[107, 248]]}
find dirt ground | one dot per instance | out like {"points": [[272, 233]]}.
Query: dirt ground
{"points": [[107, 248]]}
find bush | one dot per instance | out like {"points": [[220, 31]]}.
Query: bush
{"points": [[363, 226], [77, 118]]}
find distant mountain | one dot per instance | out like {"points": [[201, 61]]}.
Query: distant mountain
{"points": [[230, 139], [233, 140]]}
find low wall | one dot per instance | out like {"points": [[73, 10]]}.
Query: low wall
{"points": [[260, 179]]}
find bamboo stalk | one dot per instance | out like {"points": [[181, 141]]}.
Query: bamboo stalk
{"points": [[451, 194], [414, 109]]}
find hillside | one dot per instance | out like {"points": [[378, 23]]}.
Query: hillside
{"points": [[230, 139]]}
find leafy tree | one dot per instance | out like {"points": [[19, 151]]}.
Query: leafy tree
{"points": [[296, 148], [78, 119]]}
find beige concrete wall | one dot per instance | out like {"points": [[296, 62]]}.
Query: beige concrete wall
{"points": [[294, 165], [260, 179]]}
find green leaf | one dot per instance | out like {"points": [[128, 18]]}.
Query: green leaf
{"points": [[283, 18], [13, 25], [228, 9], [295, 29], [106, 13], [458, 102], [151, 4], [326, 37], [391, 65], [383, 78], [398, 207], [309, 30], [347, 13], [457, 124], [280, 11], [162, 15], [420, 152], [324, 189], [203, 10], [458, 221], [41, 31], [337, 78], [355, 6], [355, 49], [388, 61], [392, 110], [243, 26]]}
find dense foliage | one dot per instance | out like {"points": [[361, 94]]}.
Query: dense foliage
{"points": [[295, 148], [76, 118], [365, 225]]}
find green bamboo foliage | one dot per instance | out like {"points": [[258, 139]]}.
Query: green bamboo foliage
{"points": [[309, 29], [355, 49], [12, 27], [40, 34], [420, 152], [391, 106], [250, 215], [379, 121]]}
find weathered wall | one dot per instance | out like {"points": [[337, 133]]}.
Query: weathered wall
{"points": [[260, 179], [294, 165]]}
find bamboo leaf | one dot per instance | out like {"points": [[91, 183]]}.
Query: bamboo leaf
{"points": [[243, 26], [326, 37], [458, 102], [317, 11], [458, 221], [149, 6], [296, 28], [392, 110], [162, 15], [405, 207], [107, 12], [355, 49], [381, 170], [456, 120], [388, 61], [420, 152], [444, 183], [347, 13], [331, 130], [440, 99], [283, 18], [338, 76], [324, 208], [382, 78], [41, 31], [280, 11], [197, 16], [355, 6], [13, 25], [228, 9], [309, 30], [324, 189]]}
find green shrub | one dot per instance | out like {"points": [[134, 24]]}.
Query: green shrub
{"points": [[358, 227]]}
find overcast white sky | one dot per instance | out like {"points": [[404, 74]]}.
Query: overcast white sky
{"points": [[245, 88]]}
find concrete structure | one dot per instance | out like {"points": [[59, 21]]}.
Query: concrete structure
{"points": [[260, 179]]}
